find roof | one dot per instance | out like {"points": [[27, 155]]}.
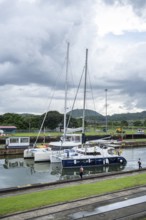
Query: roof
{"points": [[3, 127]]}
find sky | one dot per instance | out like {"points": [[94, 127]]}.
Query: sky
{"points": [[33, 55]]}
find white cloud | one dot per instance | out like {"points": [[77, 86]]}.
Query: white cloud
{"points": [[33, 49], [117, 19]]}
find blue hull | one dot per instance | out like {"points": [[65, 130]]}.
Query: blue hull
{"points": [[68, 163]]}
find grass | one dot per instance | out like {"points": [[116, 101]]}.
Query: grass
{"points": [[29, 201], [89, 131]]}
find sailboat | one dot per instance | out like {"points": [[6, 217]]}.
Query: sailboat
{"points": [[68, 140], [90, 156]]}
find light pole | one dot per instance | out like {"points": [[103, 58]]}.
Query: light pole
{"points": [[106, 109]]}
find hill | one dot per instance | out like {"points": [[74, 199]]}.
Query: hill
{"points": [[90, 115], [128, 116]]}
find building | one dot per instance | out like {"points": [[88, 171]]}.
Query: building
{"points": [[7, 129]]}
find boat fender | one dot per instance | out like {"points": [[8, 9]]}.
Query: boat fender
{"points": [[75, 161], [121, 161], [89, 160]]}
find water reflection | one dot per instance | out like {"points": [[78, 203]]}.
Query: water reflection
{"points": [[104, 169], [13, 163], [17, 171], [88, 171], [56, 168]]}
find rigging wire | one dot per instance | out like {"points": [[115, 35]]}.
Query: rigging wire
{"points": [[76, 96], [91, 91], [48, 107]]}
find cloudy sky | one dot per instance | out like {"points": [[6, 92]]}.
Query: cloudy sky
{"points": [[33, 44]]}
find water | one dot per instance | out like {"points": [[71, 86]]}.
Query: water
{"points": [[15, 171]]}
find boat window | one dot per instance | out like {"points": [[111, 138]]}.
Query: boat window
{"points": [[92, 153], [14, 140], [111, 151], [77, 139], [55, 148], [24, 140]]}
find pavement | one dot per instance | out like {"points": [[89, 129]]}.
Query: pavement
{"points": [[123, 205]]}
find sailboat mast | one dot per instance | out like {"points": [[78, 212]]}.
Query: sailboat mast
{"points": [[66, 87], [84, 102]]}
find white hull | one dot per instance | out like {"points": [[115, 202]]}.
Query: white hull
{"points": [[54, 157], [59, 147], [29, 153], [42, 156]]}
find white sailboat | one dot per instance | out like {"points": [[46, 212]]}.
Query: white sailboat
{"points": [[87, 155], [67, 140]]}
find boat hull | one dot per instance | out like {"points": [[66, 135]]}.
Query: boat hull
{"points": [[89, 162], [29, 153], [42, 156], [54, 157]]}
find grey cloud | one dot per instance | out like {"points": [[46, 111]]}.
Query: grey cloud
{"points": [[138, 5], [130, 86], [33, 48], [134, 3], [33, 44]]}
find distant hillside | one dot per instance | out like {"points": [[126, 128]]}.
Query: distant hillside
{"points": [[89, 115], [128, 116]]}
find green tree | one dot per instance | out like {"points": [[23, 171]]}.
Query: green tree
{"points": [[137, 123], [124, 123], [53, 119], [144, 123], [32, 121], [14, 119]]}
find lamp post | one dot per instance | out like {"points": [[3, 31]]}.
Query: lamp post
{"points": [[106, 109]]}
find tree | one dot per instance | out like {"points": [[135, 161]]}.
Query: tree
{"points": [[137, 123], [31, 121], [53, 119], [14, 119], [124, 123], [144, 123]]}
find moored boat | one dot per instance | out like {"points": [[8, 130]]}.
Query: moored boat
{"points": [[102, 158], [17, 142], [89, 156], [56, 148], [73, 140], [42, 155], [29, 153]]}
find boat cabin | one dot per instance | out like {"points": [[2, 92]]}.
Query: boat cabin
{"points": [[74, 137], [17, 142]]}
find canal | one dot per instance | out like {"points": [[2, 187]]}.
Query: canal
{"points": [[15, 171]]}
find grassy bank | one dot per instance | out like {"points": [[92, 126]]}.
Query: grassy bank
{"points": [[33, 200]]}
